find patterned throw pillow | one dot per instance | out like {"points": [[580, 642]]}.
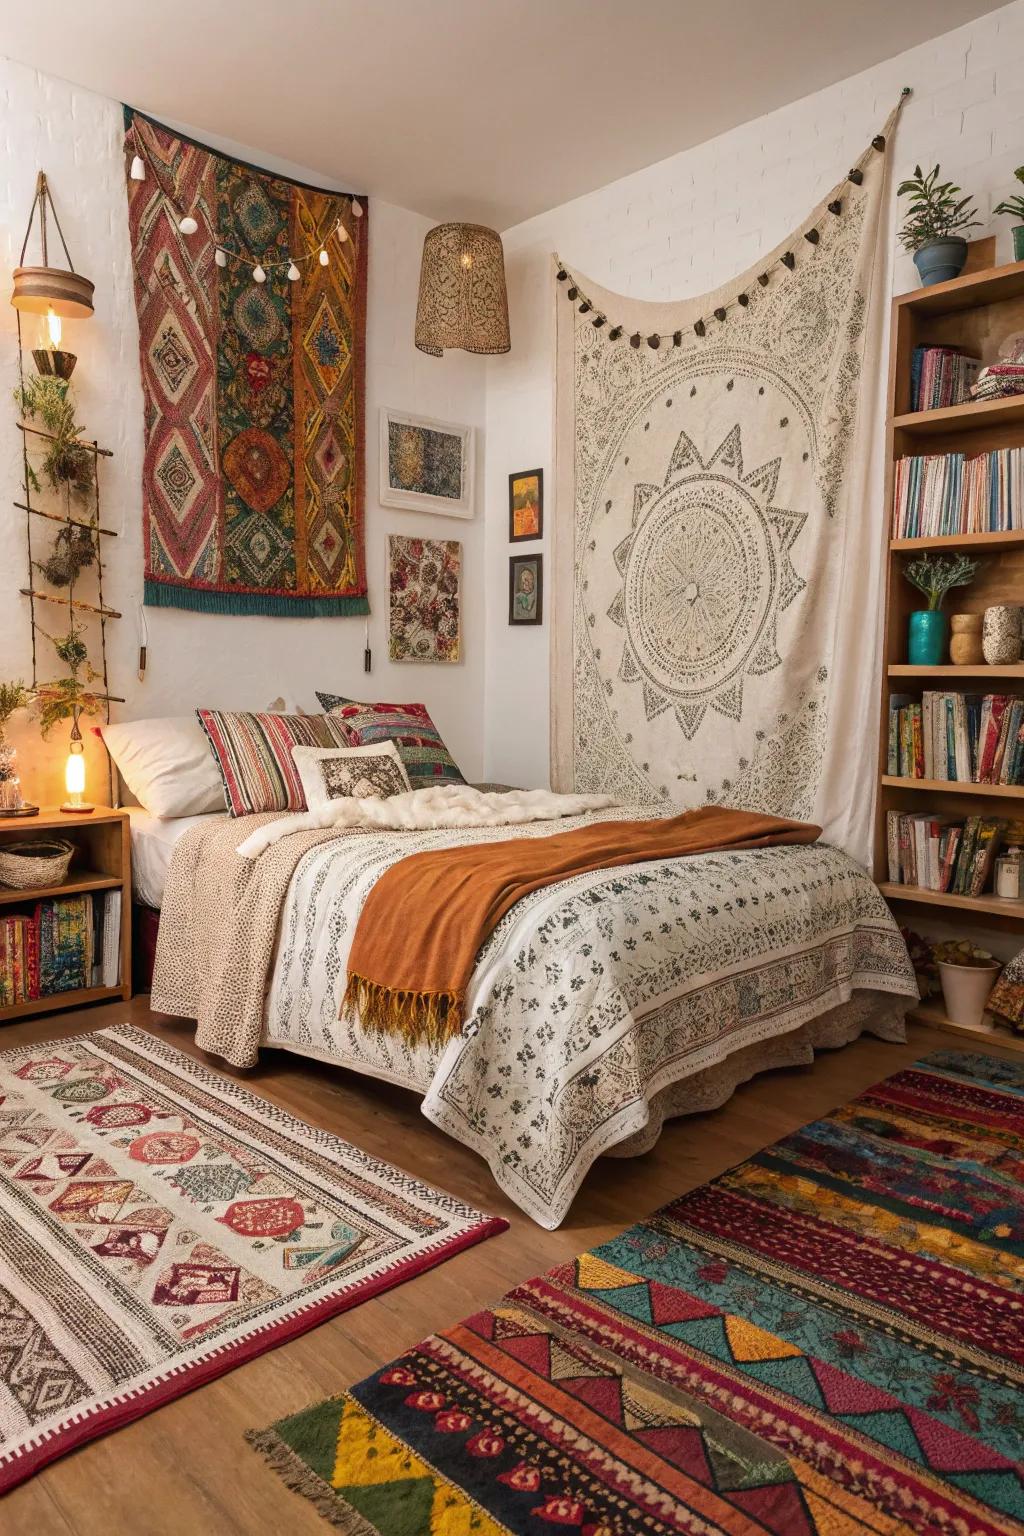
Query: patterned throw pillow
{"points": [[338, 773], [426, 758], [254, 754]]}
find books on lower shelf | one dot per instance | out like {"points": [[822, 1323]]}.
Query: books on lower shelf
{"points": [[63, 945], [949, 493], [936, 853], [964, 738], [940, 377]]}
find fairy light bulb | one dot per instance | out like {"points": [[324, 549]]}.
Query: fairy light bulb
{"points": [[357, 209], [293, 273], [258, 274], [220, 257], [53, 326], [188, 225], [138, 170], [324, 258], [341, 231]]}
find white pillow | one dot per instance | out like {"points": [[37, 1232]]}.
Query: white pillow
{"points": [[363, 773], [167, 765]]}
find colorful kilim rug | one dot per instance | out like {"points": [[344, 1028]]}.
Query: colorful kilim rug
{"points": [[827, 1340], [160, 1225], [253, 472]]}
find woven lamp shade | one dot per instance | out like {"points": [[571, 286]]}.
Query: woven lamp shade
{"points": [[463, 303]]}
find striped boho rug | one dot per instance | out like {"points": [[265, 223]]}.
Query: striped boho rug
{"points": [[159, 1225], [828, 1339]]}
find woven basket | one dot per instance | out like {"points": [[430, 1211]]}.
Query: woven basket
{"points": [[44, 861]]}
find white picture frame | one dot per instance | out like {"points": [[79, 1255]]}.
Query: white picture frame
{"points": [[393, 493]]}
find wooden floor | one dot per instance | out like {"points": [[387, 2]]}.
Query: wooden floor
{"points": [[185, 1469]]}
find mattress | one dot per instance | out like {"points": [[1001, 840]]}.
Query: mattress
{"points": [[153, 843]]}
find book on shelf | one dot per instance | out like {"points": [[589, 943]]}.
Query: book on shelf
{"points": [[62, 945], [940, 494], [961, 738], [940, 377], [939, 853]]}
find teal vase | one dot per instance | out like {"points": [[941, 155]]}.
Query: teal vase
{"points": [[926, 639]]}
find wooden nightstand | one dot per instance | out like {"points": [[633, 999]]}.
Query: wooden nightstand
{"points": [[102, 862]]}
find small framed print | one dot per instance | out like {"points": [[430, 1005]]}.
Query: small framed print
{"points": [[425, 465], [525, 589], [525, 505]]}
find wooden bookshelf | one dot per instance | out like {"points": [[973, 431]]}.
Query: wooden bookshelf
{"points": [[101, 862], [974, 312]]}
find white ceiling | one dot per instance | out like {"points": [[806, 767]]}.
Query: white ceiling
{"points": [[490, 110]]}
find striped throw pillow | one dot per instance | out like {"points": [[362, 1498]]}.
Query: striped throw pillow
{"points": [[254, 755], [426, 758]]}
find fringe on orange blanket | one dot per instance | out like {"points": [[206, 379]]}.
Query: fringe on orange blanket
{"points": [[435, 1017]]}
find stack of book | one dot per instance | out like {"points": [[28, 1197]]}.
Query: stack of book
{"points": [[63, 945], [937, 854], [941, 376], [965, 738], [946, 493]]}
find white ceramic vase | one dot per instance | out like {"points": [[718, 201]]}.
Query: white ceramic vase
{"points": [[966, 989]]}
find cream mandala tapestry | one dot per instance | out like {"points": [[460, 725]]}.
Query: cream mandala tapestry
{"points": [[716, 556]]}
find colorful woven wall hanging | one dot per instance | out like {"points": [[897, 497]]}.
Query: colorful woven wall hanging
{"points": [[253, 350]]}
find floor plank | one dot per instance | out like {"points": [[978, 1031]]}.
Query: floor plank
{"points": [[186, 1467]]}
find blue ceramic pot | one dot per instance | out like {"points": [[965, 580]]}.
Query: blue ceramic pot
{"points": [[941, 260], [926, 638]]}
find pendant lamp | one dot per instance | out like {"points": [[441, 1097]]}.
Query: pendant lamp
{"points": [[56, 292], [462, 303]]}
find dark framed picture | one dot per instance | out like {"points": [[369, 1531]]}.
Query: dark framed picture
{"points": [[525, 505], [525, 589]]}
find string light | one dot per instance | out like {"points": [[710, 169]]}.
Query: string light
{"points": [[290, 265]]}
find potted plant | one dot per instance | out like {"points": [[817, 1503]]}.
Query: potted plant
{"points": [[12, 696], [968, 975], [1014, 206], [934, 575], [933, 231]]}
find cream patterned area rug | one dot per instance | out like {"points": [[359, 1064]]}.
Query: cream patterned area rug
{"points": [[160, 1225]]}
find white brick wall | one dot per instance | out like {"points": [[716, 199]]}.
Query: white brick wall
{"points": [[194, 659], [680, 228]]}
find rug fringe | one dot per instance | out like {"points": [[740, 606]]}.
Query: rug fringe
{"points": [[296, 1475], [433, 1017]]}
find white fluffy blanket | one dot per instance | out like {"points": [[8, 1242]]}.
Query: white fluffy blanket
{"points": [[447, 805]]}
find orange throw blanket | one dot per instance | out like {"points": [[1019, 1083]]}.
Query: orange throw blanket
{"points": [[424, 921]]}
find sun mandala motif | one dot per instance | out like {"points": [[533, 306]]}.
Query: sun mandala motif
{"points": [[706, 570]]}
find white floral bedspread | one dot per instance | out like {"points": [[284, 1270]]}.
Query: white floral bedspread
{"points": [[594, 996]]}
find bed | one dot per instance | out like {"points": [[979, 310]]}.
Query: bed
{"points": [[598, 1008]]}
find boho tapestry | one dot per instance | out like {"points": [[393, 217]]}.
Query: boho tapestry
{"points": [[252, 481], [716, 567], [424, 578]]}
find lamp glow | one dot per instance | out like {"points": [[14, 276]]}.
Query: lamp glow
{"points": [[53, 325], [74, 775]]}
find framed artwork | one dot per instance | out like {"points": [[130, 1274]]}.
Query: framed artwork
{"points": [[425, 465], [525, 589], [525, 505], [425, 597]]}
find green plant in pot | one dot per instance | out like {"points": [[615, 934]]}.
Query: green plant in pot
{"points": [[1014, 207], [933, 230], [934, 575]]}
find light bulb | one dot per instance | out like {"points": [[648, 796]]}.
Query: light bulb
{"points": [[293, 273], [74, 775], [220, 257], [54, 327], [138, 170], [341, 231], [466, 259], [324, 258], [188, 225], [357, 209], [258, 274]]}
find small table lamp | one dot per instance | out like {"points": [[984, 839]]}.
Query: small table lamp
{"points": [[74, 775]]}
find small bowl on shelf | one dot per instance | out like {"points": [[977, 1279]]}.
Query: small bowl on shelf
{"points": [[39, 862]]}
